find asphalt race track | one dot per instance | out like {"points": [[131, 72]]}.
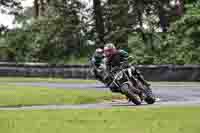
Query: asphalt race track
{"points": [[168, 94]]}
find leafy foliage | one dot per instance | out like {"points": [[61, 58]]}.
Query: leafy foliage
{"points": [[179, 46], [154, 31], [54, 37]]}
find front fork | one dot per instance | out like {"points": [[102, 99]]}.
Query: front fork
{"points": [[138, 80], [139, 76]]}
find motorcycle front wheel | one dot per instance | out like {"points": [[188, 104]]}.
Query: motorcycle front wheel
{"points": [[125, 88], [150, 98]]}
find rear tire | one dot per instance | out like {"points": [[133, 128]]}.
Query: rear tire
{"points": [[131, 95]]}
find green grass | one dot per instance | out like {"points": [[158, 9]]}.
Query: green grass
{"points": [[51, 80], [61, 80], [11, 95], [125, 120], [77, 61]]}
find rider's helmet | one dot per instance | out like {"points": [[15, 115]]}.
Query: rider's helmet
{"points": [[109, 49], [99, 52]]}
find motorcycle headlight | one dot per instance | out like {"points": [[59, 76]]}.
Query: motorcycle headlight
{"points": [[119, 75]]}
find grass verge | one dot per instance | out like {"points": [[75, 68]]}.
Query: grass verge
{"points": [[124, 120], [51, 80], [11, 95], [62, 80]]}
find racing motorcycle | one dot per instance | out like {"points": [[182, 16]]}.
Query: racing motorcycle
{"points": [[131, 86]]}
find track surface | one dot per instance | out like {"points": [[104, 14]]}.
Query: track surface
{"points": [[168, 94]]}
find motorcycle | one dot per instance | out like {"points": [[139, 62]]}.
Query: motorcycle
{"points": [[131, 86]]}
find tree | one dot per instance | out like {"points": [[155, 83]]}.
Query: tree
{"points": [[40, 7], [59, 30], [99, 22], [65, 28], [11, 7], [10, 4], [117, 22]]}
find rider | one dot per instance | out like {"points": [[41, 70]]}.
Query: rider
{"points": [[117, 57], [97, 63]]}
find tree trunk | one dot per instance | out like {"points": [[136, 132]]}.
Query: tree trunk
{"points": [[99, 22], [119, 19], [162, 14], [140, 10], [42, 8], [36, 8]]}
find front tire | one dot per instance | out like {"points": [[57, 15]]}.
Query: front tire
{"points": [[150, 98], [131, 95]]}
